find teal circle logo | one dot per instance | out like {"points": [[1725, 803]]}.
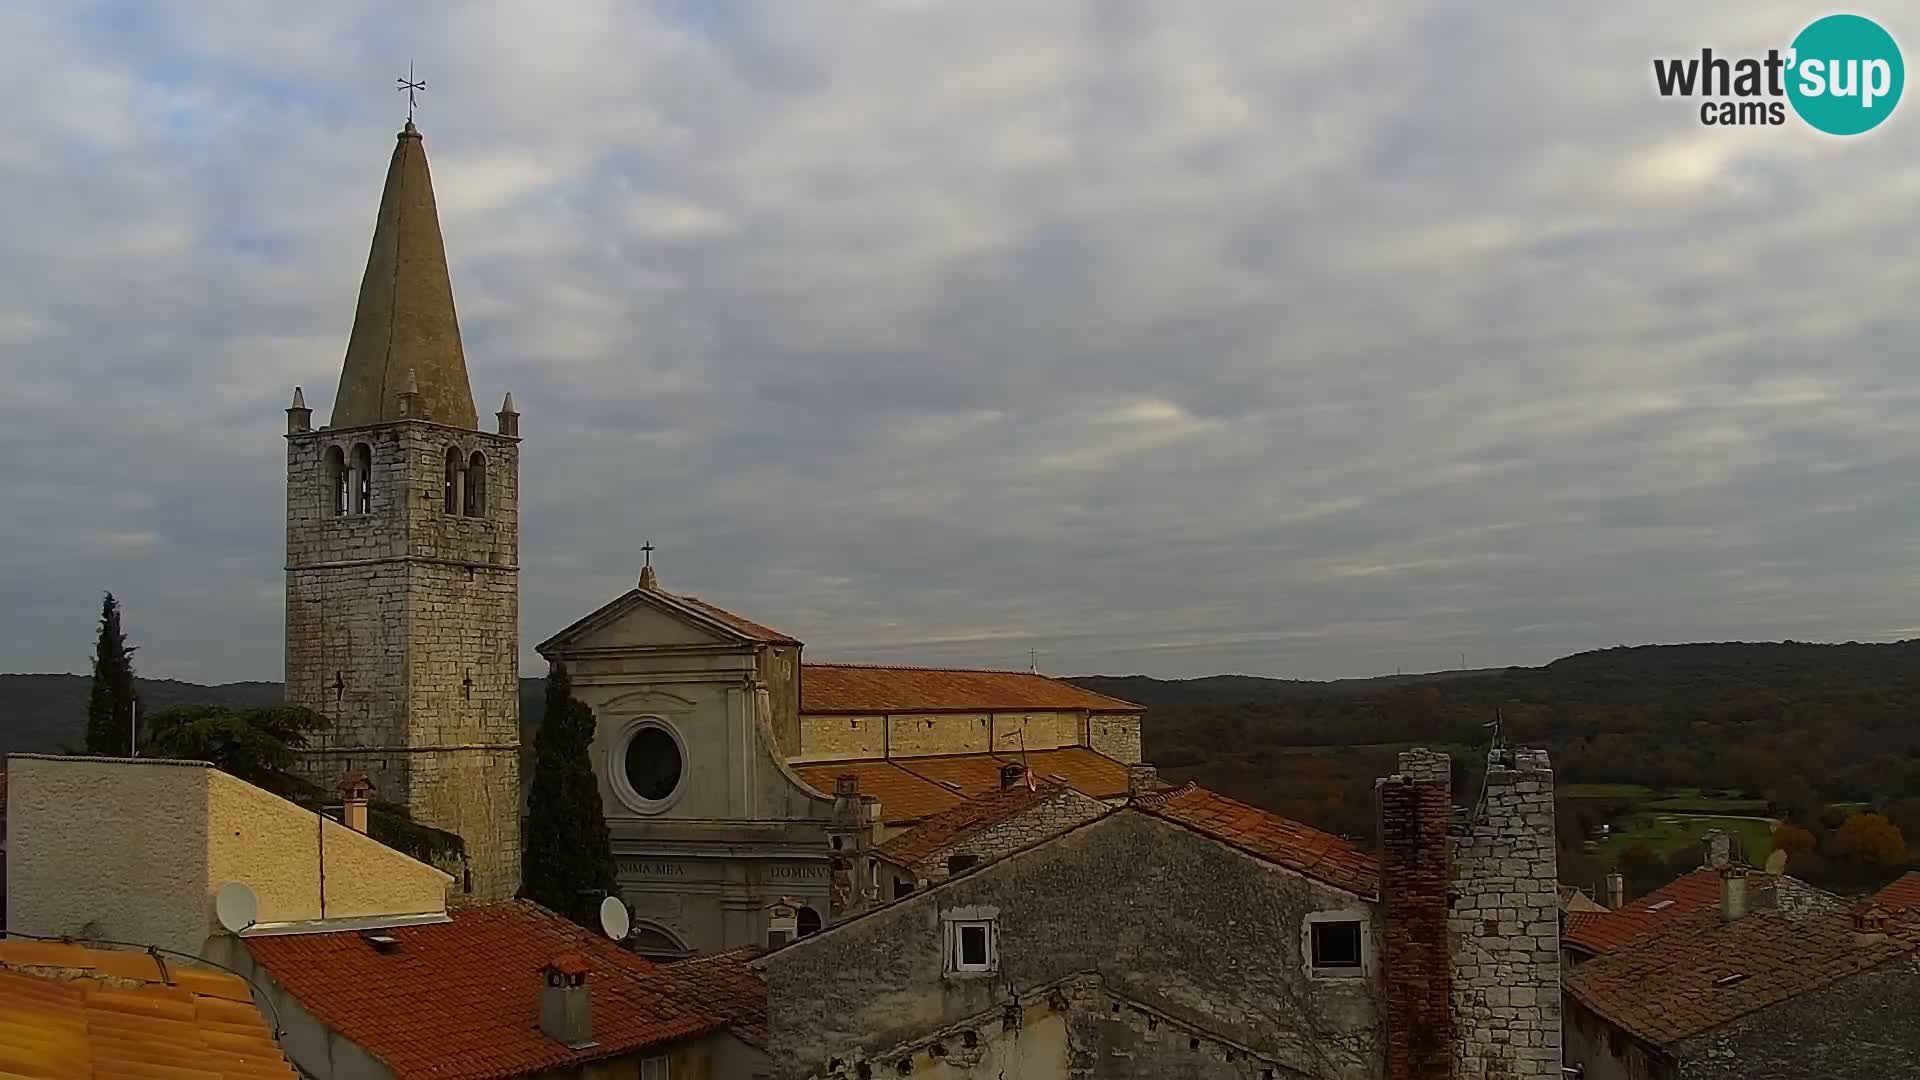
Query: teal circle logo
{"points": [[1846, 74]]}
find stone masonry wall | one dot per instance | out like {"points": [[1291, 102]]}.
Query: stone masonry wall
{"points": [[1118, 737], [1505, 926], [1057, 813], [403, 628]]}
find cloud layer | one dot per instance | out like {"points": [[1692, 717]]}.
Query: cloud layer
{"points": [[1152, 337]]}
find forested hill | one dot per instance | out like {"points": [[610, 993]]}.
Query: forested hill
{"points": [[1748, 716]]}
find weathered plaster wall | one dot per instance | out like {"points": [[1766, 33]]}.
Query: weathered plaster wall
{"points": [[403, 628], [1865, 1026], [109, 848], [1055, 814], [302, 865], [1189, 928]]}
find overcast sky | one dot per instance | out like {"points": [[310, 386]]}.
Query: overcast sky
{"points": [[1176, 338]]}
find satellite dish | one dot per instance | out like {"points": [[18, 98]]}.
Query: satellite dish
{"points": [[1777, 864], [613, 918], [236, 906]]}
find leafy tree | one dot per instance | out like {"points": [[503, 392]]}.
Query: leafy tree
{"points": [[1905, 814], [258, 745], [1796, 842], [1870, 838], [113, 701], [568, 863]]}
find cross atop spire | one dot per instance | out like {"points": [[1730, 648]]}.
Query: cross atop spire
{"points": [[648, 579], [410, 85]]}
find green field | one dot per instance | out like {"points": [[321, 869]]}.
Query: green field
{"points": [[1664, 834]]}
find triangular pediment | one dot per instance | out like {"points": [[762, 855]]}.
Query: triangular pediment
{"points": [[643, 619]]}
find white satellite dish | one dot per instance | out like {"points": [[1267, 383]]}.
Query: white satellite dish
{"points": [[613, 918], [236, 906]]}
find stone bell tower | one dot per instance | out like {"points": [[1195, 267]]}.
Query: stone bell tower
{"points": [[403, 556]]}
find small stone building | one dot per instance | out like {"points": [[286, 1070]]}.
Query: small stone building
{"points": [[1022, 813], [1186, 934]]}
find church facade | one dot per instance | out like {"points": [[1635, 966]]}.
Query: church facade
{"points": [[403, 555]]}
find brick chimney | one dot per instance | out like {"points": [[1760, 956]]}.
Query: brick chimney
{"points": [[1415, 805], [1616, 891], [355, 790], [1140, 780], [566, 1014]]}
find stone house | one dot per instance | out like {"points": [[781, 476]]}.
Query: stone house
{"points": [[1587, 934], [1186, 934], [1021, 813], [1735, 993]]}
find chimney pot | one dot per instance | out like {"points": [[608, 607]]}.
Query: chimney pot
{"points": [[1011, 774], [355, 789], [1141, 779], [1733, 893], [565, 1009], [1616, 891]]}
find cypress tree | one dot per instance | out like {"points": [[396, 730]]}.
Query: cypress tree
{"points": [[568, 862], [113, 700]]}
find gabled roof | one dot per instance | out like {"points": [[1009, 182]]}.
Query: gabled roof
{"points": [[870, 688], [915, 788], [691, 609], [971, 816], [725, 985], [1610, 931], [461, 1000], [1902, 894], [1700, 973], [1262, 833], [68, 1012]]}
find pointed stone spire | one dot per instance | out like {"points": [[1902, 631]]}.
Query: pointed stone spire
{"points": [[405, 319], [509, 417], [299, 417]]}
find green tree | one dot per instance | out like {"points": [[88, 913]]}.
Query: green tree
{"points": [[258, 745], [113, 702], [568, 862]]}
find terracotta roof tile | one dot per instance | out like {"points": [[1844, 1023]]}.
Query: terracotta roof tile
{"points": [[917, 788], [106, 1013], [861, 688], [1699, 972], [1603, 932], [979, 812], [1902, 894], [1283, 841], [724, 984], [474, 984], [739, 623]]}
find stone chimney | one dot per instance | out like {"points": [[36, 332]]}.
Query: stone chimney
{"points": [[299, 417], [1414, 806], [1480, 995], [566, 1013], [1012, 774], [1733, 893], [355, 790], [1869, 924], [1616, 891], [1141, 780]]}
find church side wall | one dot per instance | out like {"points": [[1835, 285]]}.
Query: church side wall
{"points": [[1117, 736], [848, 736]]}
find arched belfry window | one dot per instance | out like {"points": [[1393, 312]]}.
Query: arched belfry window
{"points": [[362, 478], [337, 479], [456, 482], [475, 504]]}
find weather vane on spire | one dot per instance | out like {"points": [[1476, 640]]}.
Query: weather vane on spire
{"points": [[410, 85]]}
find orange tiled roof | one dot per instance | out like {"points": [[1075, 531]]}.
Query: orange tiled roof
{"points": [[1902, 894], [461, 1000], [1649, 915], [916, 788], [1669, 988], [980, 812], [723, 984], [73, 1013], [1278, 840], [739, 623], [865, 688]]}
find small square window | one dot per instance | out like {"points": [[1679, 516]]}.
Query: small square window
{"points": [[971, 945], [1336, 946], [655, 1068]]}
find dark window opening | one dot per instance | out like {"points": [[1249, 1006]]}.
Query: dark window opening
{"points": [[362, 478], [1336, 945], [807, 921], [653, 764], [452, 495], [476, 494], [337, 478], [973, 946], [957, 863]]}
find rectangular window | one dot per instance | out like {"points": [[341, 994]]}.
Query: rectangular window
{"points": [[972, 946], [1336, 946], [654, 1068]]}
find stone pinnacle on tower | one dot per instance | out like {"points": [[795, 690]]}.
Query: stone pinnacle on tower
{"points": [[405, 319]]}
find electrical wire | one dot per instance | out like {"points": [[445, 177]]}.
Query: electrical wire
{"points": [[155, 951]]}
